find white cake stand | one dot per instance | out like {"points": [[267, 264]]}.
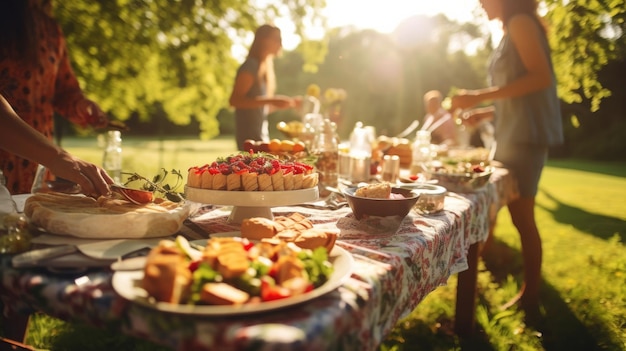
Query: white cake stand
{"points": [[248, 204]]}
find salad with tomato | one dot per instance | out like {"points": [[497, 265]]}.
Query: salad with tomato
{"points": [[234, 271]]}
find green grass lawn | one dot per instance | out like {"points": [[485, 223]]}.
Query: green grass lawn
{"points": [[581, 213]]}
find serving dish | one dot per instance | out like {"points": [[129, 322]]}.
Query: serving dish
{"points": [[126, 284], [458, 177], [248, 204], [363, 207], [83, 217], [432, 197]]}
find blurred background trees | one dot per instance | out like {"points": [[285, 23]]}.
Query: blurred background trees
{"points": [[169, 66]]}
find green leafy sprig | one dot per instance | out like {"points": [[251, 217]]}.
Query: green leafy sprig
{"points": [[158, 184]]}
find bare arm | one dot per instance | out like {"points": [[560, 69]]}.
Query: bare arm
{"points": [[526, 36], [474, 116], [239, 98], [19, 138]]}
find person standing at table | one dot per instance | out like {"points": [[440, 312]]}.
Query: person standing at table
{"points": [[253, 95], [37, 80], [19, 138], [527, 121], [438, 120]]}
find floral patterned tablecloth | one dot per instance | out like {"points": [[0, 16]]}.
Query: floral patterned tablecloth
{"points": [[396, 266]]}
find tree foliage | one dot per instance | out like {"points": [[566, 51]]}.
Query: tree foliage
{"points": [[143, 56], [386, 75], [172, 59], [585, 36]]}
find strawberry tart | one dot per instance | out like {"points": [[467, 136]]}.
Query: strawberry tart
{"points": [[250, 171]]}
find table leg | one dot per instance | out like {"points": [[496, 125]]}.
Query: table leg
{"points": [[466, 294]]}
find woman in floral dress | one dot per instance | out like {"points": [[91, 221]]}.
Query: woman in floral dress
{"points": [[37, 79]]}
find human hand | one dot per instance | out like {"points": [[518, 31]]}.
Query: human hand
{"points": [[93, 180], [464, 99], [91, 112], [297, 101], [283, 102]]}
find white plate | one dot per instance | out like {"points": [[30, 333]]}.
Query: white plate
{"points": [[99, 249], [126, 284], [251, 198]]}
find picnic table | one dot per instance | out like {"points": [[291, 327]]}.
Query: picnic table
{"points": [[395, 267]]}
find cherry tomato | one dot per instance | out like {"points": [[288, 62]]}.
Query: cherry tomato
{"points": [[270, 292], [193, 265]]}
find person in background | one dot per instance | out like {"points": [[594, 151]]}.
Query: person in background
{"points": [[527, 121], [19, 138], [37, 80], [253, 95], [438, 120]]}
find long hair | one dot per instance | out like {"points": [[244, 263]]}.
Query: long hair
{"points": [[511, 8], [257, 50], [18, 38]]}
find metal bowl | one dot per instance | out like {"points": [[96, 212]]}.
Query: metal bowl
{"points": [[464, 179]]}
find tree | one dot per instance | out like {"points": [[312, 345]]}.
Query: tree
{"points": [[385, 75], [585, 36], [140, 56]]}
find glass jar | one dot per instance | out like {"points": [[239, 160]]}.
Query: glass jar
{"points": [[14, 234], [360, 154], [421, 151], [326, 150]]}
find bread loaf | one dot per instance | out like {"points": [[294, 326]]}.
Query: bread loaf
{"points": [[374, 191]]}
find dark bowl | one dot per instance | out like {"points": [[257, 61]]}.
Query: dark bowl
{"points": [[363, 207]]}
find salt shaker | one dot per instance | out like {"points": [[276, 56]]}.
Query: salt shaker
{"points": [[391, 168]]}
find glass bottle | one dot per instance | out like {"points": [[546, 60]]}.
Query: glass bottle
{"points": [[7, 205], [421, 151], [326, 150], [14, 234], [360, 154], [112, 158]]}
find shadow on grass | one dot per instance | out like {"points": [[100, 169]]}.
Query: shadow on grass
{"points": [[422, 335], [617, 169], [594, 224], [560, 328]]}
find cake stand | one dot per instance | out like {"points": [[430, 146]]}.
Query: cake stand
{"points": [[248, 204]]}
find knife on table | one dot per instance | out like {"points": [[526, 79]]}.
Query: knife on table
{"points": [[34, 257]]}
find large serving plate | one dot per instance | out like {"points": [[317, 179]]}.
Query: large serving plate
{"points": [[127, 285], [248, 204], [88, 220]]}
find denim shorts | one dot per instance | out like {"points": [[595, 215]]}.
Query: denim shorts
{"points": [[525, 162]]}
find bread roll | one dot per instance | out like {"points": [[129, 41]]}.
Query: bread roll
{"points": [[166, 275], [223, 294], [374, 191], [314, 238], [257, 228]]}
